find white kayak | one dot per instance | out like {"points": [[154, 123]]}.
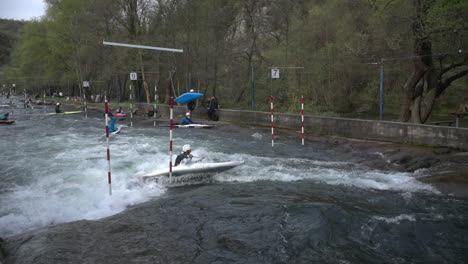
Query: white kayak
{"points": [[115, 132], [194, 126], [192, 172]]}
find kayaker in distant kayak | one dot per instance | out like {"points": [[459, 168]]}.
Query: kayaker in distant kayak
{"points": [[4, 116], [187, 119], [58, 110], [185, 157], [119, 112], [111, 123]]}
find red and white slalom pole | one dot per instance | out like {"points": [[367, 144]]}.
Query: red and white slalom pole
{"points": [[272, 100], [109, 177], [171, 124], [302, 117]]}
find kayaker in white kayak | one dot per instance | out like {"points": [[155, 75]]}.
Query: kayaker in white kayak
{"points": [[111, 123], [187, 119], [185, 157]]}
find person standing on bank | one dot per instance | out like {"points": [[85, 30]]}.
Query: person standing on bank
{"points": [[185, 157], [191, 105], [187, 119]]}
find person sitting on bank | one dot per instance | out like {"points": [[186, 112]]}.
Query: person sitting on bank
{"points": [[185, 157], [4, 116], [58, 110], [187, 119]]}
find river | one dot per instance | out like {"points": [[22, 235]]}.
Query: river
{"points": [[287, 204]]}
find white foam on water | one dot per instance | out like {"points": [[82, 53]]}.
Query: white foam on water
{"points": [[64, 173], [69, 181], [334, 173], [257, 136], [396, 219]]}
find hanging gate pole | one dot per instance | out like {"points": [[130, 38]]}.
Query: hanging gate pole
{"points": [[272, 100], [302, 119]]}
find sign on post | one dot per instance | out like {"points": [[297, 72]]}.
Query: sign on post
{"points": [[275, 73], [85, 84], [133, 76]]}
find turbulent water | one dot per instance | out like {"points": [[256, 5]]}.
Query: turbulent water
{"points": [[53, 170]]}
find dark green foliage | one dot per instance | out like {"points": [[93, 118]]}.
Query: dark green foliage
{"points": [[339, 45], [9, 33]]}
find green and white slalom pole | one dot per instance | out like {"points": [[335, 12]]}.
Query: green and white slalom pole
{"points": [[155, 104], [302, 119], [272, 100], [131, 107]]}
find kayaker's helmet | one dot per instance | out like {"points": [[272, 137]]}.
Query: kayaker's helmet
{"points": [[186, 148], [58, 104], [187, 114], [191, 90]]}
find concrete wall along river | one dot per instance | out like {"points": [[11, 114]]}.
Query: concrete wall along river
{"points": [[343, 127]]}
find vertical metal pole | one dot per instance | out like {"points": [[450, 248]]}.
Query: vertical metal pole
{"points": [[109, 177], [272, 100], [189, 81], [43, 99], [131, 107], [253, 88], [171, 124], [381, 105]]}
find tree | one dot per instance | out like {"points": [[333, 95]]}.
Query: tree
{"points": [[439, 31]]}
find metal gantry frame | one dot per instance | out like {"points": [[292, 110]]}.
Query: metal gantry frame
{"points": [[126, 45]]}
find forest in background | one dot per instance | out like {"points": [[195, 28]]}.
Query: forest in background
{"points": [[329, 51], [9, 33]]}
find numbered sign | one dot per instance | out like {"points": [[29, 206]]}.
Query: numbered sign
{"points": [[275, 73], [85, 84], [133, 76]]}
